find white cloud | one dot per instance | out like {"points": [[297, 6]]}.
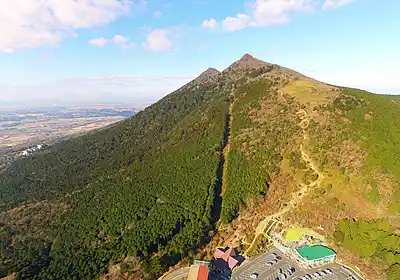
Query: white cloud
{"points": [[266, 13], [28, 24], [333, 4], [128, 45], [94, 90], [120, 40], [157, 40], [209, 23], [157, 14], [239, 22], [272, 12], [98, 42]]}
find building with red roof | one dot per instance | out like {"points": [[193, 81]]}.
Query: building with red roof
{"points": [[225, 259], [198, 272]]}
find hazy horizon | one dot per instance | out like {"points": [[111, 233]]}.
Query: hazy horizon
{"points": [[89, 91], [139, 51], [119, 90]]}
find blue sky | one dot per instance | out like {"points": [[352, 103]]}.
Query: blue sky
{"points": [[97, 51]]}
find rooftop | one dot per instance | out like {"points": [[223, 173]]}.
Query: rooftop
{"points": [[225, 257], [198, 272], [315, 252]]}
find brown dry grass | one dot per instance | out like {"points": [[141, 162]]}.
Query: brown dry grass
{"points": [[241, 231], [10, 277], [30, 218], [132, 264], [275, 126], [349, 155], [311, 93]]}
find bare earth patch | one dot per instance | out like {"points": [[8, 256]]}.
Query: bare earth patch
{"points": [[368, 116]]}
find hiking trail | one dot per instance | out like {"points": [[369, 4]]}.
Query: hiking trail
{"points": [[297, 196]]}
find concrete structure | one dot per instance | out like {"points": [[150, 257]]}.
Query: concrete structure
{"points": [[205, 263], [198, 272], [259, 265], [315, 256], [305, 251], [280, 243], [180, 274]]}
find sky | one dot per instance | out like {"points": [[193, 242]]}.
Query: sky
{"points": [[126, 51]]}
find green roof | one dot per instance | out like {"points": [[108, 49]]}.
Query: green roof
{"points": [[315, 252]]}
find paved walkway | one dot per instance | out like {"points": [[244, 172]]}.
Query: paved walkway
{"points": [[180, 274], [265, 272]]}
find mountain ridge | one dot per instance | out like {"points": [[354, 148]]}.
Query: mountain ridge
{"points": [[149, 188]]}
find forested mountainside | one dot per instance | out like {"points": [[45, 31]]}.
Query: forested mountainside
{"points": [[144, 185], [253, 136]]}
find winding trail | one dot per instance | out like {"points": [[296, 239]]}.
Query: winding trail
{"points": [[298, 196]]}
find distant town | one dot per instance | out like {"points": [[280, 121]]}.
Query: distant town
{"points": [[23, 130]]}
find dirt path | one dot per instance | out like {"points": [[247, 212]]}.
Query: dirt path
{"points": [[298, 196]]}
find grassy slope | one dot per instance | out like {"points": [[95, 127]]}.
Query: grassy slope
{"points": [[367, 123], [353, 137]]}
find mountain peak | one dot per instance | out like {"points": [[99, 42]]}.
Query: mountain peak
{"points": [[246, 63], [247, 57], [210, 74]]}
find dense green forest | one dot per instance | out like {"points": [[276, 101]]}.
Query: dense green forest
{"points": [[373, 240], [142, 186], [93, 155], [382, 132]]}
